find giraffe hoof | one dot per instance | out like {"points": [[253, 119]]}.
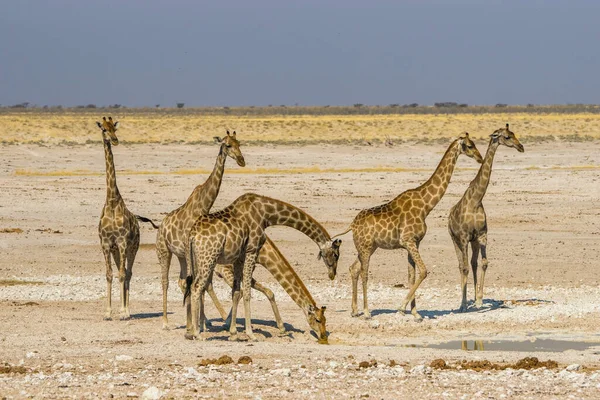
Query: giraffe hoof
{"points": [[282, 331], [165, 327], [479, 303], [462, 309], [234, 338], [354, 314], [252, 337], [367, 315], [125, 317], [107, 318], [418, 318]]}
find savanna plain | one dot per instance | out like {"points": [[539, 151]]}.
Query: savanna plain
{"points": [[541, 296]]}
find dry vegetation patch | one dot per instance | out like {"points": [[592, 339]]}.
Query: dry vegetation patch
{"points": [[176, 127]]}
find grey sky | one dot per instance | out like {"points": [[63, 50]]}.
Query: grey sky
{"points": [[141, 53]]}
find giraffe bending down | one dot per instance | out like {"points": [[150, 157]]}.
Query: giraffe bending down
{"points": [[273, 261], [235, 235], [118, 229], [467, 221], [172, 235], [401, 224]]}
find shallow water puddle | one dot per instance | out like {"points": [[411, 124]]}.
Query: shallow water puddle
{"points": [[534, 345]]}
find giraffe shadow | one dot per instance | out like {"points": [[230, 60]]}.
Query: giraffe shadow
{"points": [[488, 305], [218, 324], [148, 315]]}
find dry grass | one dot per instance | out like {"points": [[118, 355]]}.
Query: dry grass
{"points": [[140, 127], [16, 282]]}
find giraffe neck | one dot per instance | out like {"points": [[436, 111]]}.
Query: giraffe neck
{"points": [[272, 259], [112, 191], [277, 212], [479, 185], [203, 197], [434, 189]]}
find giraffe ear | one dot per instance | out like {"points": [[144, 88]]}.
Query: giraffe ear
{"points": [[233, 134], [99, 124], [116, 125], [496, 134], [228, 132], [311, 309], [319, 255], [217, 139], [336, 243]]}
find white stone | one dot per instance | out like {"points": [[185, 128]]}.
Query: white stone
{"points": [[281, 371], [123, 357], [152, 393], [573, 367]]}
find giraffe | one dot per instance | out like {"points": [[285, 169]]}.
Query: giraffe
{"points": [[401, 224], [273, 261], [467, 221], [172, 235], [118, 229], [235, 235]]}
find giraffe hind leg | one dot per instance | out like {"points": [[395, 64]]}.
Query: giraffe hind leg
{"points": [[422, 269], [482, 240], [462, 256]]}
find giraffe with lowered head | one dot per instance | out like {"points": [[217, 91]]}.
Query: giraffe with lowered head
{"points": [[118, 229], [236, 235], [467, 222], [273, 261], [172, 234], [401, 224]]}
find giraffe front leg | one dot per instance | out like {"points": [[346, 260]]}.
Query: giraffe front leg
{"points": [[121, 261], [411, 282], [461, 255], [354, 273], [247, 293], [482, 240], [364, 275], [109, 278], [422, 274], [235, 299]]}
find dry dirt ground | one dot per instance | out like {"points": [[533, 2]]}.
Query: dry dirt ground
{"points": [[541, 288]]}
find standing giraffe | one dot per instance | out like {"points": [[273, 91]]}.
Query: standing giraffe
{"points": [[467, 221], [273, 261], [401, 224], [235, 235], [118, 229], [172, 235]]}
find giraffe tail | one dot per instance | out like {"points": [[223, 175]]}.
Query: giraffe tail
{"points": [[144, 219], [343, 233], [190, 278]]}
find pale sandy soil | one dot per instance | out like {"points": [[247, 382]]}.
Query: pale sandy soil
{"points": [[542, 283]]}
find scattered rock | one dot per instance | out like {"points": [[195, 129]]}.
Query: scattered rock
{"points": [[123, 357], [573, 367], [223, 360], [245, 360], [281, 371], [12, 369], [374, 324], [367, 364], [152, 393], [439, 363], [11, 230], [534, 363]]}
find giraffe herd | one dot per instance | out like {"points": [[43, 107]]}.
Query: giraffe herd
{"points": [[229, 243]]}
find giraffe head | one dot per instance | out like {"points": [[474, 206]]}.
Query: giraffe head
{"points": [[231, 146], [506, 137], [316, 320], [467, 147], [330, 254], [109, 130]]}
